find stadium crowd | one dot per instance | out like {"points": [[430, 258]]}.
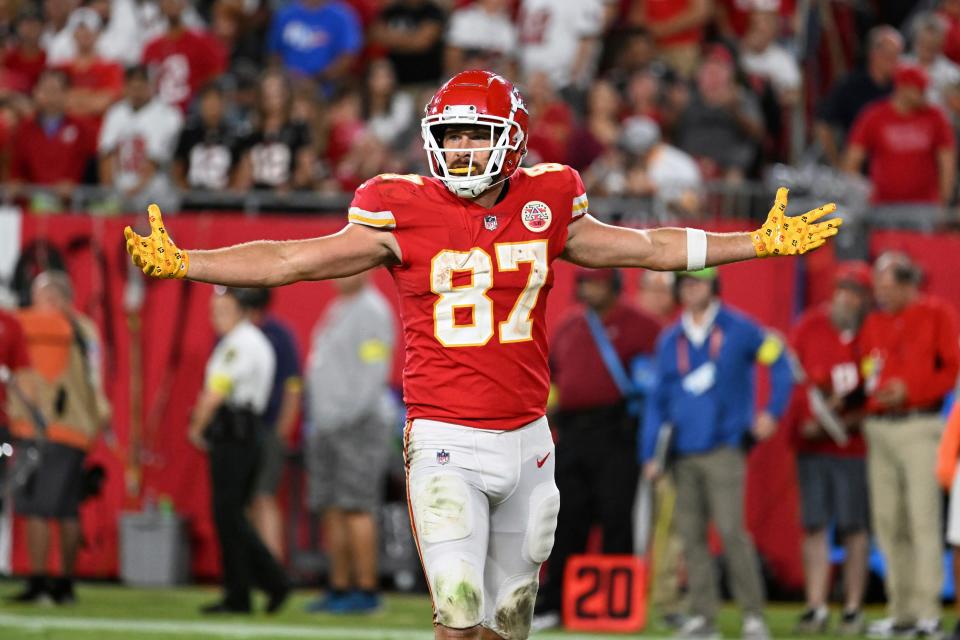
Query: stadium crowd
{"points": [[673, 99]]}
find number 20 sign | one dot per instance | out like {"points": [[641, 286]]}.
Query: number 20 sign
{"points": [[604, 593]]}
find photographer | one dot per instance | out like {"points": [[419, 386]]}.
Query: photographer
{"points": [[64, 349]]}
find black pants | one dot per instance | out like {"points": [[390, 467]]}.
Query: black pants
{"points": [[245, 559], [597, 476]]}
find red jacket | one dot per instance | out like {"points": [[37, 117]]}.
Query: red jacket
{"points": [[41, 159], [918, 345]]}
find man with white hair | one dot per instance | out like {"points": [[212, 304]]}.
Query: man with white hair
{"points": [[929, 37]]}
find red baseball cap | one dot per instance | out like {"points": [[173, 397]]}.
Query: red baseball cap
{"points": [[911, 75], [719, 53], [854, 272]]}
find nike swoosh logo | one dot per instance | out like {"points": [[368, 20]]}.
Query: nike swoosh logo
{"points": [[540, 461]]}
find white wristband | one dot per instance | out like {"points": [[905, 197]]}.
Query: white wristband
{"points": [[696, 249]]}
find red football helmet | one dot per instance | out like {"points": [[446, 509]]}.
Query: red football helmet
{"points": [[477, 98]]}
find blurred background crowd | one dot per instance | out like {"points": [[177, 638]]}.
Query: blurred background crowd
{"points": [[694, 103]]}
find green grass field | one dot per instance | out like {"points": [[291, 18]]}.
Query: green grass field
{"points": [[112, 612]]}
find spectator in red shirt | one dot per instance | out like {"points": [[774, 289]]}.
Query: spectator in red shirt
{"points": [[25, 61], [678, 29], [95, 83], [910, 362], [833, 477], [183, 60], [912, 154], [52, 148]]}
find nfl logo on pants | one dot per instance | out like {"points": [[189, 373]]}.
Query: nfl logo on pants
{"points": [[443, 457]]}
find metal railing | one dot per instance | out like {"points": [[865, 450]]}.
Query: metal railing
{"points": [[810, 185]]}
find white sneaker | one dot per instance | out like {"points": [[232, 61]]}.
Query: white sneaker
{"points": [[543, 621], [698, 627], [813, 622], [754, 628], [929, 628], [890, 628]]}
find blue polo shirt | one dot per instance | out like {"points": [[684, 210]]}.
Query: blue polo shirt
{"points": [[310, 39], [710, 414]]}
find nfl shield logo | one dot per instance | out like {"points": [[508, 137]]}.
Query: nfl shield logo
{"points": [[489, 222], [443, 457]]}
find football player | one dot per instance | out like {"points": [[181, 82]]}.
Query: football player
{"points": [[471, 250]]}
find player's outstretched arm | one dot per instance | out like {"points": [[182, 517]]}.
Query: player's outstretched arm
{"points": [[592, 243], [263, 263]]}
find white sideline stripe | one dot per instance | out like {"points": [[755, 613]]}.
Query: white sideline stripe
{"points": [[221, 629], [39, 624]]}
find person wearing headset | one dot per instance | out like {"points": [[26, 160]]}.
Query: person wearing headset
{"points": [[910, 362]]}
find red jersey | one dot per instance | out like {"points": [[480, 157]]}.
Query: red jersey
{"points": [[13, 354], [657, 11], [48, 159], [24, 69], [184, 62], [902, 149], [917, 345], [831, 359], [100, 76], [473, 288]]}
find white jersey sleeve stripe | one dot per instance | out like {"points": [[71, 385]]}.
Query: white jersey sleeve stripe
{"points": [[380, 219]]}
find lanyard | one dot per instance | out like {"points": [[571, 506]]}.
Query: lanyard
{"points": [[608, 354], [683, 349]]}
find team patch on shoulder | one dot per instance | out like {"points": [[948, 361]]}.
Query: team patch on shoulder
{"points": [[536, 216]]}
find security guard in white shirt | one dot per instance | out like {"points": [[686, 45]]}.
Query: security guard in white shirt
{"points": [[227, 423]]}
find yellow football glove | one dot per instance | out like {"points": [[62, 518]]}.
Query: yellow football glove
{"points": [[783, 235], [156, 254]]}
